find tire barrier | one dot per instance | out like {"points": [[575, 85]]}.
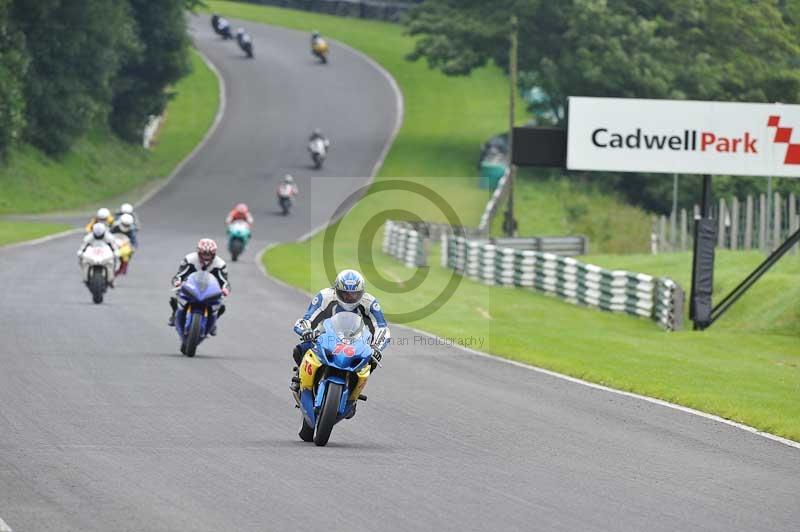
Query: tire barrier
{"points": [[403, 242], [637, 294]]}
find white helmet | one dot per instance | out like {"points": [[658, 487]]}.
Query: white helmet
{"points": [[288, 178], [126, 208], [99, 230], [103, 214], [239, 31], [126, 221], [349, 286]]}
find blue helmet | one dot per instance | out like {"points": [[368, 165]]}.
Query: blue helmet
{"points": [[349, 286]]}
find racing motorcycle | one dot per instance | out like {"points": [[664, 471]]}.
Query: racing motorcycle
{"points": [[318, 149], [198, 298], [320, 50], [332, 375], [97, 267], [285, 199], [246, 45], [238, 236], [126, 250]]}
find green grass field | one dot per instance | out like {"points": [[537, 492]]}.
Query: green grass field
{"points": [[100, 166], [746, 368]]}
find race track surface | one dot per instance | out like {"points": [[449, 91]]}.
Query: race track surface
{"points": [[104, 426]]}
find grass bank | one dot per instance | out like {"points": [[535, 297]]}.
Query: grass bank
{"points": [[749, 374], [100, 166]]}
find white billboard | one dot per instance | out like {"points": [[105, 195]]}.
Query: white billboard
{"points": [[684, 137]]}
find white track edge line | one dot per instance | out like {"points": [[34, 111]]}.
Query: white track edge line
{"points": [[575, 380], [36, 242], [211, 130], [4, 527], [653, 400]]}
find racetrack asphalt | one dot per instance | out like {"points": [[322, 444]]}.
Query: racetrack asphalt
{"points": [[104, 426]]}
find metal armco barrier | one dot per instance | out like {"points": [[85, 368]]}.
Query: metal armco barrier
{"points": [[659, 299], [403, 242]]}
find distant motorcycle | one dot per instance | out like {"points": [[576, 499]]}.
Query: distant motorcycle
{"points": [[126, 250], [319, 49], [199, 297], [238, 237], [97, 267], [318, 149], [332, 375], [246, 44], [285, 198]]}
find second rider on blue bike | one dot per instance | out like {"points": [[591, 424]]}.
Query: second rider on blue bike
{"points": [[346, 295], [204, 259]]}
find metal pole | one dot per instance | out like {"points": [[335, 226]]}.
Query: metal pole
{"points": [[509, 221], [674, 218], [768, 246], [705, 212]]}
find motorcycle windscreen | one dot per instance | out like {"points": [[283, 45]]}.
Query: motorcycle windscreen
{"points": [[345, 341]]}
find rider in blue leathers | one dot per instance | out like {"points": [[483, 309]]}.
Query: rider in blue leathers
{"points": [[346, 295]]}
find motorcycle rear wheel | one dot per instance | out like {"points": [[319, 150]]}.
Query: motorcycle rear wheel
{"points": [[236, 248], [328, 414]]}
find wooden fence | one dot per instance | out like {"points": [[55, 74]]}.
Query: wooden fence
{"points": [[742, 224]]}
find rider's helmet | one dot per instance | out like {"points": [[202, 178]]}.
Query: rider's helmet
{"points": [[317, 132], [126, 222], [239, 31], [241, 208], [103, 214], [288, 178], [126, 208], [206, 251], [315, 34], [349, 286], [99, 230]]}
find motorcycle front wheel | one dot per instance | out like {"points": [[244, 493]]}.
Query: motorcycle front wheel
{"points": [[97, 282], [328, 414], [193, 338]]}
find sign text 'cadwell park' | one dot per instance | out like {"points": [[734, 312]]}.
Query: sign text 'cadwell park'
{"points": [[692, 137]]}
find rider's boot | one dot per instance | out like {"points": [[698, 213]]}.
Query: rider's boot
{"points": [[173, 303]]}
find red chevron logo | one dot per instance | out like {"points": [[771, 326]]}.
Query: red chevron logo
{"points": [[783, 135]]}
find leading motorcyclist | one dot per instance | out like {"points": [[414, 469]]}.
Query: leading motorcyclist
{"points": [[204, 259], [99, 233], [346, 295], [240, 212], [317, 134]]}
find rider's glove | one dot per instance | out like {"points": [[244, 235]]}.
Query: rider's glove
{"points": [[226, 291], [308, 335], [376, 354], [177, 283]]}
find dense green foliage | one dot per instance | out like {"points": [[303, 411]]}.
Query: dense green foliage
{"points": [[728, 50], [67, 66]]}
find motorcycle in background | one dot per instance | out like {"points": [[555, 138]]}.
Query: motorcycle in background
{"points": [[126, 251], [286, 193], [198, 298], [245, 43], [319, 48], [318, 149], [332, 375], [238, 236], [97, 268]]}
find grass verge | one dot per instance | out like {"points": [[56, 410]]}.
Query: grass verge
{"points": [[100, 166], [12, 231], [747, 373]]}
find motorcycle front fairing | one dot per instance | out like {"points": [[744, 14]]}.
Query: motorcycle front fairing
{"points": [[339, 358], [200, 289]]}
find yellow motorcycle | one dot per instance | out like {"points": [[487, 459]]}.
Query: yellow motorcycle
{"points": [[126, 251], [320, 50]]}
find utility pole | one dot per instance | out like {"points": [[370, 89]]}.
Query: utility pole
{"points": [[509, 221]]}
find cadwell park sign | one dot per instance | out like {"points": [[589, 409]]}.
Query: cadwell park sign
{"points": [[684, 137]]}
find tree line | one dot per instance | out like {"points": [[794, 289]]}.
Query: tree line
{"points": [[728, 50], [66, 66]]}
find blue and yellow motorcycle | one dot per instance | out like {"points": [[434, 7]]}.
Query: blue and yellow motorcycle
{"points": [[333, 373], [200, 299]]}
